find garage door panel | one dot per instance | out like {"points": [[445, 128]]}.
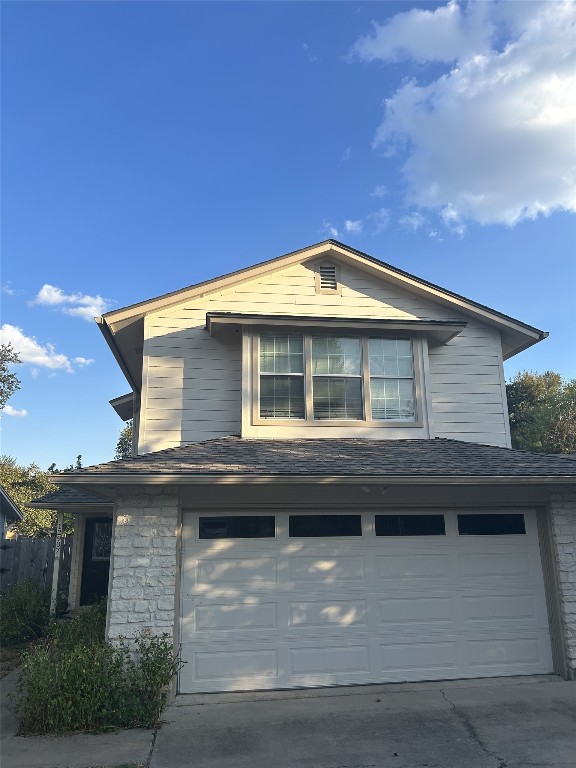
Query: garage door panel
{"points": [[328, 613], [495, 565], [334, 660], [288, 613], [325, 570], [409, 567], [416, 610]]}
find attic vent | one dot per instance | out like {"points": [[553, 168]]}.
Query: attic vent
{"points": [[327, 278]]}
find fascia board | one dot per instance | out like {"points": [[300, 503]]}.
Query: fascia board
{"points": [[182, 479]]}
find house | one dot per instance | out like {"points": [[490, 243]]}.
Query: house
{"points": [[322, 490], [9, 512]]}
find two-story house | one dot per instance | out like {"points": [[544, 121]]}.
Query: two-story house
{"points": [[322, 490]]}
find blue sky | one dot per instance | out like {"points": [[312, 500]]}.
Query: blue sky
{"points": [[151, 145]]}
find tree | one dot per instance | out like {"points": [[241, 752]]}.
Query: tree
{"points": [[542, 408], [124, 444], [9, 382], [24, 484]]}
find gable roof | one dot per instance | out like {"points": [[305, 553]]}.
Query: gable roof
{"points": [[123, 328], [347, 459], [9, 507], [69, 497]]}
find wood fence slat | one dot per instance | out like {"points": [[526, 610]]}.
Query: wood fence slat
{"points": [[29, 558]]}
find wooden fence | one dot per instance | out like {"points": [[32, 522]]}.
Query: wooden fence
{"points": [[28, 558]]}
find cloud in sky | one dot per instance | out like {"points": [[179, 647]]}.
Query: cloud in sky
{"points": [[412, 221], [353, 227], [380, 220], [491, 139], [36, 354], [330, 230], [75, 304], [8, 410]]}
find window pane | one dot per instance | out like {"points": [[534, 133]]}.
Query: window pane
{"points": [[337, 398], [490, 525], [335, 355], [281, 353], [392, 399], [312, 526], [282, 397], [390, 357], [101, 540], [410, 525], [238, 527]]}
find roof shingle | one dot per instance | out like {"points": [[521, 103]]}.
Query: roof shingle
{"points": [[334, 457]]}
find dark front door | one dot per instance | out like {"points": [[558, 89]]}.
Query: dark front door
{"points": [[96, 562]]}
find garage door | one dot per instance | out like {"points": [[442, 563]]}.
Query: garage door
{"points": [[286, 600]]}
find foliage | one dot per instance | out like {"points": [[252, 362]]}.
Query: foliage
{"points": [[94, 685], [24, 612], [24, 484], [124, 444], [9, 382], [53, 469], [542, 409], [87, 627]]}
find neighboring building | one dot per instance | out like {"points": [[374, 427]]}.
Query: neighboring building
{"points": [[9, 512], [323, 490]]}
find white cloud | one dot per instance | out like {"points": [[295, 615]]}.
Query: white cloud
{"points": [[443, 34], [380, 220], [330, 229], [412, 221], [75, 304], [31, 351], [9, 289], [9, 411], [312, 58], [379, 191], [491, 139], [83, 361], [346, 155], [353, 227]]}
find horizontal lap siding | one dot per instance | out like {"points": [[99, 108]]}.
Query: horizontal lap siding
{"points": [[192, 384], [466, 388]]}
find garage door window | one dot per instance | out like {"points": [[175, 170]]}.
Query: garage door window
{"points": [[316, 526], [238, 527], [410, 525], [491, 525]]}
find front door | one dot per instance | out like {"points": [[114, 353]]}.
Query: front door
{"points": [[96, 561]]}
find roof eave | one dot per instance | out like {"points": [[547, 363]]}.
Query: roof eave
{"points": [[159, 478]]}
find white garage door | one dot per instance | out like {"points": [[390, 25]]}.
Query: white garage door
{"points": [[286, 600]]}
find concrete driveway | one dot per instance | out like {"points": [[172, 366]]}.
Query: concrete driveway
{"points": [[501, 723]]}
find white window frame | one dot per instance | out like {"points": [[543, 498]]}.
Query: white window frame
{"points": [[367, 420]]}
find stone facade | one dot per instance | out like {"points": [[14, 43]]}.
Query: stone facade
{"points": [[562, 507], [143, 566]]}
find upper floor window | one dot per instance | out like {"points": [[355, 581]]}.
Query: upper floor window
{"points": [[320, 378]]}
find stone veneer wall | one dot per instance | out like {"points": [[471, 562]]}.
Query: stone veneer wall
{"points": [[562, 507], [143, 566]]}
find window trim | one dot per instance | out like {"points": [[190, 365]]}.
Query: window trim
{"points": [[367, 421]]}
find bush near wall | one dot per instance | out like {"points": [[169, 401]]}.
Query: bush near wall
{"points": [[74, 681]]}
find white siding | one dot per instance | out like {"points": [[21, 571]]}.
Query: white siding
{"points": [[192, 382]]}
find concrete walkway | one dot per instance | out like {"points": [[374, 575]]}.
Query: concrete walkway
{"points": [[500, 723]]}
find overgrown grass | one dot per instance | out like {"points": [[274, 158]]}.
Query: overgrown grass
{"points": [[74, 681], [24, 612]]}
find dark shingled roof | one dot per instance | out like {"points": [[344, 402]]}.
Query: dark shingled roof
{"points": [[341, 457], [65, 496]]}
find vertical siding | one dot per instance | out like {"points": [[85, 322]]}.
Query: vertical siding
{"points": [[192, 381]]}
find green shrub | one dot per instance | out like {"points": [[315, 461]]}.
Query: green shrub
{"points": [[24, 612], [87, 627], [94, 687]]}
